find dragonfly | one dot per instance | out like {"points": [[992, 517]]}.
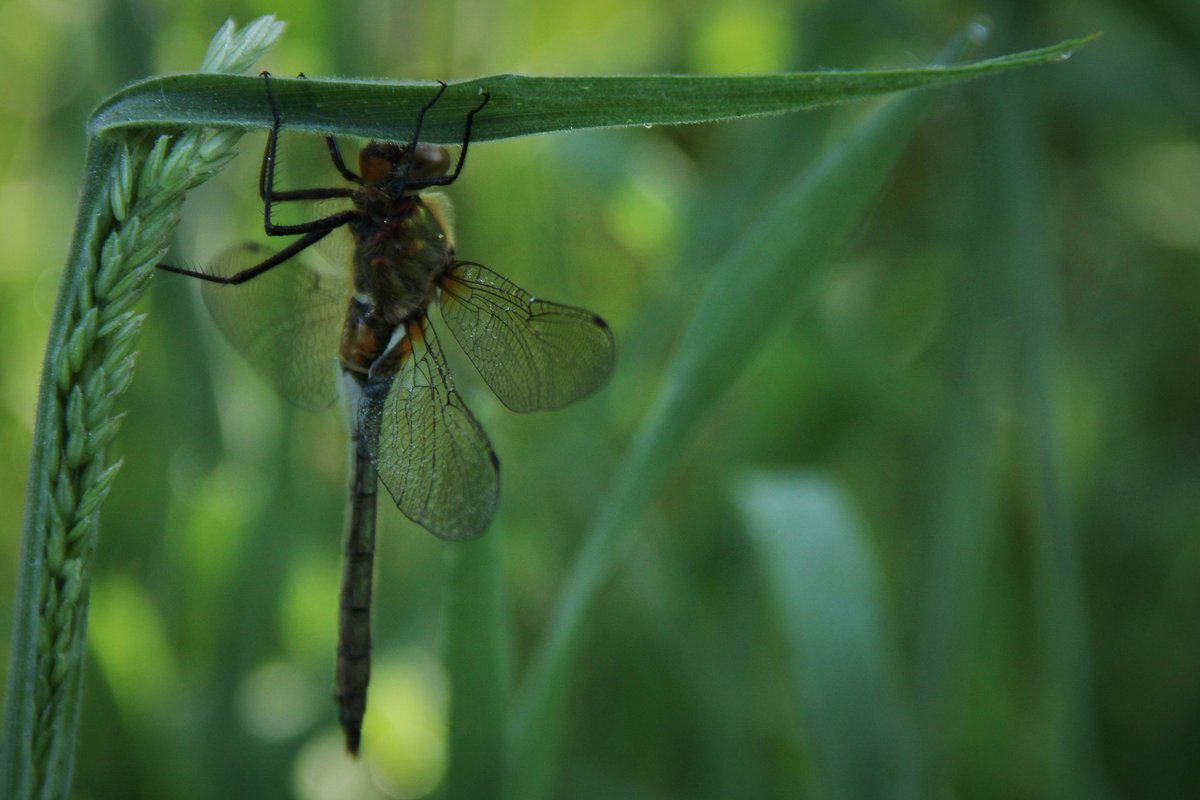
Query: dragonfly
{"points": [[361, 330]]}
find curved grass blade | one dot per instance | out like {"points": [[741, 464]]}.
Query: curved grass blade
{"points": [[521, 105], [128, 206], [825, 582], [1008, 299]]}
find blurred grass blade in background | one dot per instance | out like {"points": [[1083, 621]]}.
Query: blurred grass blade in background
{"points": [[1063, 621], [478, 658], [1002, 357], [826, 586], [776, 266]]}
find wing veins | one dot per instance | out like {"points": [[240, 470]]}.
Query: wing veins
{"points": [[534, 353], [430, 452]]}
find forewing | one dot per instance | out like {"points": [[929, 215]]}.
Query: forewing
{"points": [[429, 451], [287, 322], [534, 354]]}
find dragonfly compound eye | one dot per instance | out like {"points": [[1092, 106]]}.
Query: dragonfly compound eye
{"points": [[378, 161], [430, 161]]}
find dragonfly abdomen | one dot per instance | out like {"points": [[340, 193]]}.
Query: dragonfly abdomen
{"points": [[354, 619]]}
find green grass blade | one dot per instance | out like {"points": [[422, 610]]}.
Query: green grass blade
{"points": [[477, 656], [520, 105], [17, 772], [1006, 303], [774, 267], [128, 207], [963, 484], [827, 591], [1019, 240]]}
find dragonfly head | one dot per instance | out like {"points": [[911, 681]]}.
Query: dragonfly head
{"points": [[382, 162]]}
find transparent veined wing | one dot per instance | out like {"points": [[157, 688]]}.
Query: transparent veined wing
{"points": [[534, 354], [430, 453], [338, 246], [287, 322]]}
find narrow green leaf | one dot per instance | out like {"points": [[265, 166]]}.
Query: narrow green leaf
{"points": [[1003, 345], [826, 586], [1018, 240], [520, 105]]}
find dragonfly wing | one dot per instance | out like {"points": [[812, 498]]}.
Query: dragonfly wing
{"points": [[534, 354], [287, 322], [429, 451], [338, 246]]}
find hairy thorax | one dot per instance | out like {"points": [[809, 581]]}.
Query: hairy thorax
{"points": [[402, 247]]}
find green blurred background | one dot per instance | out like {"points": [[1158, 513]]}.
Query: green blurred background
{"points": [[902, 381]]}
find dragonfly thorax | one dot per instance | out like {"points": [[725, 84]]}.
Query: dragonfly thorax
{"points": [[402, 249]]}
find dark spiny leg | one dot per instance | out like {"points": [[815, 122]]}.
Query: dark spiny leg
{"points": [[266, 173], [313, 231], [416, 134], [462, 154], [445, 180], [335, 154], [308, 240], [266, 183]]}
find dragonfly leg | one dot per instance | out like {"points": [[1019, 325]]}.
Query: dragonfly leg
{"points": [[303, 243], [416, 135], [335, 154], [445, 180], [266, 178]]}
